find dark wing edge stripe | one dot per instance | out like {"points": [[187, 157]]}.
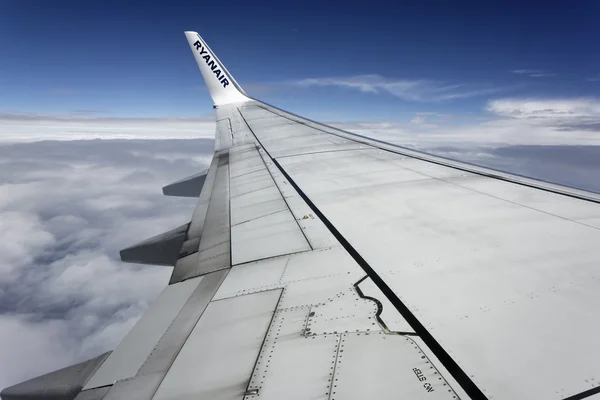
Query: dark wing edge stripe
{"points": [[584, 395]]}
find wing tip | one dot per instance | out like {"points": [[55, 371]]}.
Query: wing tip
{"points": [[221, 85]]}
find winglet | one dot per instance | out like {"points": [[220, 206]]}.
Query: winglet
{"points": [[221, 85]]}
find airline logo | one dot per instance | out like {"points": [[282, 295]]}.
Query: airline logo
{"points": [[211, 63]]}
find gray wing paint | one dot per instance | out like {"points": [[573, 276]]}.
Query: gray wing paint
{"points": [[325, 265]]}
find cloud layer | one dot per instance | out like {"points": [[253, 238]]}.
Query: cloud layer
{"points": [[413, 90], [533, 73], [66, 209], [19, 127], [568, 114], [509, 122]]}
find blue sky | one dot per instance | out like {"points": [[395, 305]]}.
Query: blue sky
{"points": [[111, 58]]}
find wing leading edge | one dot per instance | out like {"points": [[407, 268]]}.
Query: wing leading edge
{"points": [[321, 264]]}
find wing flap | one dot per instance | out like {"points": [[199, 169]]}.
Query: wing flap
{"points": [[218, 357], [162, 249], [125, 361], [61, 384], [187, 187]]}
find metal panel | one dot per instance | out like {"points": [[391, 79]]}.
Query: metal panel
{"points": [[93, 394], [309, 277], [387, 367], [268, 236], [313, 146], [298, 139], [522, 274], [227, 338], [277, 128], [460, 393], [214, 249], [240, 132], [403, 152], [315, 231], [350, 173], [184, 268], [189, 247], [140, 387], [317, 290], [244, 160], [170, 343], [262, 225], [567, 207], [256, 204], [344, 313], [224, 134], [304, 144], [253, 277], [130, 354], [250, 182], [553, 203], [416, 165], [324, 263], [197, 222], [389, 315], [145, 383], [253, 194], [291, 365]]}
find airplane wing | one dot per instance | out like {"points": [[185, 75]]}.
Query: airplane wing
{"points": [[320, 264]]}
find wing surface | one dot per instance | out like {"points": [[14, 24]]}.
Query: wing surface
{"points": [[319, 264]]}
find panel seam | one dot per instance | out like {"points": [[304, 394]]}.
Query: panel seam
{"points": [[273, 179]]}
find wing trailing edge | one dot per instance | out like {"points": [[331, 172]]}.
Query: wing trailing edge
{"points": [[186, 187], [162, 249], [62, 384]]}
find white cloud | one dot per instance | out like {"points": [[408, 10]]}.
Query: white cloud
{"points": [[418, 120], [514, 145], [594, 78], [412, 90], [549, 109], [533, 73], [32, 127], [573, 115], [511, 122], [28, 237], [495, 133], [425, 120]]}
